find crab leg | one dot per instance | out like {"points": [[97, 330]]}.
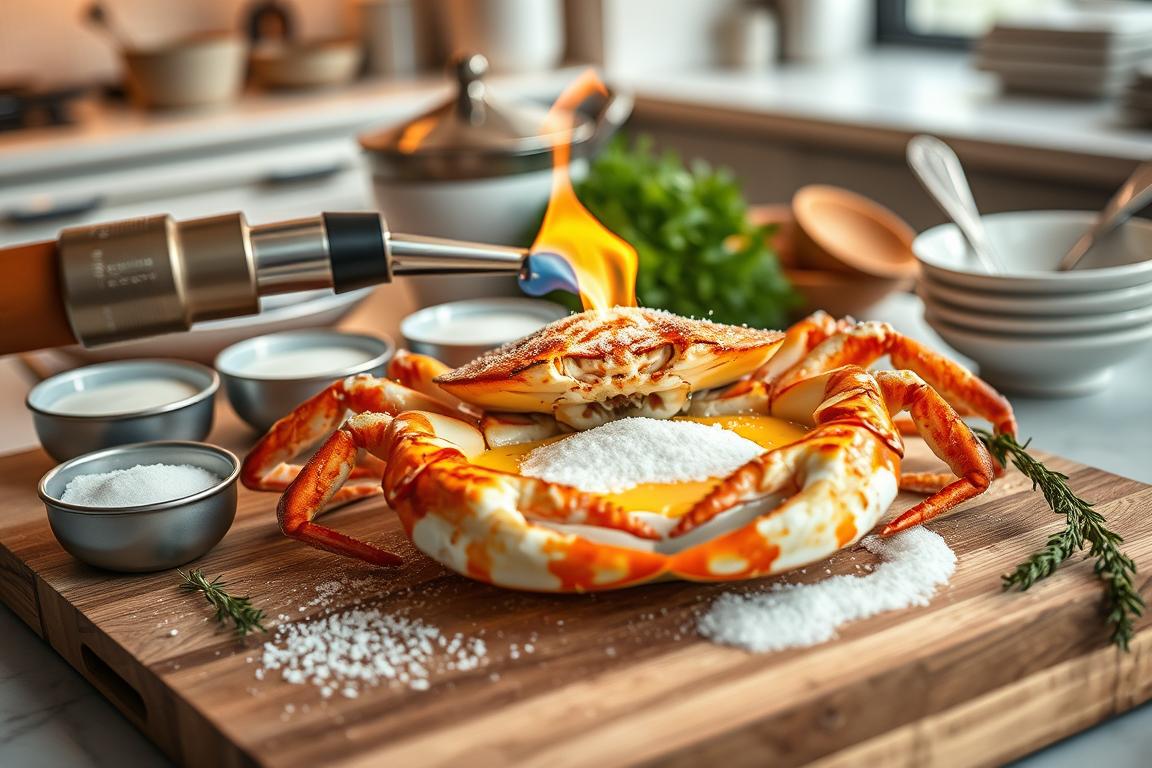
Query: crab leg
{"points": [[266, 468], [415, 442], [865, 343], [751, 395], [948, 437], [851, 399], [426, 458], [419, 372], [799, 340], [824, 492], [320, 481]]}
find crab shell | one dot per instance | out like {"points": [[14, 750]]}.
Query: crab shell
{"points": [[600, 365]]}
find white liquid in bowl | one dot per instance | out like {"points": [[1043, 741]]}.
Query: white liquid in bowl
{"points": [[483, 328], [122, 397], [304, 363]]}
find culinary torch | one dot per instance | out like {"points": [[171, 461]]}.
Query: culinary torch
{"points": [[101, 283]]}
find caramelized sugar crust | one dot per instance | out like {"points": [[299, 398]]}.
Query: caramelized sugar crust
{"points": [[614, 335]]}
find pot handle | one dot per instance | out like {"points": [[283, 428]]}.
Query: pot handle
{"points": [[609, 118]]}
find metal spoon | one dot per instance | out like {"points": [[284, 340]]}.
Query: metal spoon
{"points": [[939, 170], [1133, 195]]}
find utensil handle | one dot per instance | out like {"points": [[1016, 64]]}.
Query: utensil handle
{"points": [[611, 115], [939, 170], [1133, 195], [32, 316]]}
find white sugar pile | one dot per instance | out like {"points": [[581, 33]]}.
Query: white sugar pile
{"points": [[623, 454], [141, 484], [362, 648], [915, 563]]}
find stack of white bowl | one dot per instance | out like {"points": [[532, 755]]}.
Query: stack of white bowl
{"points": [[1032, 329]]}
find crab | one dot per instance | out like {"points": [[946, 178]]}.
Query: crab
{"points": [[421, 430]]}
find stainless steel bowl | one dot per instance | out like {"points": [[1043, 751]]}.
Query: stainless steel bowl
{"points": [[149, 537], [433, 330], [262, 399], [65, 435]]}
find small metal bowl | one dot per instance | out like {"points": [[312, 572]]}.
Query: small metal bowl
{"points": [[261, 399], [65, 435], [431, 330], [148, 537]]}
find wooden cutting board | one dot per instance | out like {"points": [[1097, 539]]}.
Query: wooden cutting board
{"points": [[977, 677]]}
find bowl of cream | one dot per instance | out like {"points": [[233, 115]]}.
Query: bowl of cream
{"points": [[126, 401], [266, 377], [460, 331]]}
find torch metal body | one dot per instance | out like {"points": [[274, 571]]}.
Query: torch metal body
{"points": [[154, 275]]}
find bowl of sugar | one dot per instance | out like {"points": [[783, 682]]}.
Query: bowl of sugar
{"points": [[142, 507], [126, 401], [266, 377], [460, 331]]}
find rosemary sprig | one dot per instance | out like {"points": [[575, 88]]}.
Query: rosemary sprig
{"points": [[1084, 525], [244, 616]]}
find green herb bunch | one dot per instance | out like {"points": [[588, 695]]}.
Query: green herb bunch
{"points": [[244, 616], [699, 255], [1083, 526]]}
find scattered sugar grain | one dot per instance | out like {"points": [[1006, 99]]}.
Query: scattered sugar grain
{"points": [[362, 648], [915, 563], [623, 454], [141, 484]]}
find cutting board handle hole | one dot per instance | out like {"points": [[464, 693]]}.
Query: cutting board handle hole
{"points": [[115, 687]]}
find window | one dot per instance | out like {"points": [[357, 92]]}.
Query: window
{"points": [[953, 22]]}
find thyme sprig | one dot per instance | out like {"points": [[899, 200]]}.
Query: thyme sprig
{"points": [[1083, 526], [244, 616]]}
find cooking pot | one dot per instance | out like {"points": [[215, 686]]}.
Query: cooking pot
{"points": [[476, 168]]}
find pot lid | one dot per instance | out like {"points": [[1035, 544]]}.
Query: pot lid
{"points": [[471, 135]]}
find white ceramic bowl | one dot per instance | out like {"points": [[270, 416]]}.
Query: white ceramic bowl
{"points": [[199, 71], [1035, 325], [1023, 304], [437, 330], [1030, 244], [1048, 366]]}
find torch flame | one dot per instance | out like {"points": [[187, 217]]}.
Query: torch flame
{"points": [[605, 265]]}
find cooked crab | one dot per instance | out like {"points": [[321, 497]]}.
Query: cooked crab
{"points": [[792, 505]]}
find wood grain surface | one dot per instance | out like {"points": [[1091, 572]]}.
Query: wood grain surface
{"points": [[977, 677]]}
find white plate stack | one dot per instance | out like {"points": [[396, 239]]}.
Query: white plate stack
{"points": [[1137, 101], [1079, 53], [1034, 330]]}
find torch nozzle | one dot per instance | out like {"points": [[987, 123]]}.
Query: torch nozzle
{"points": [[539, 273], [543, 272]]}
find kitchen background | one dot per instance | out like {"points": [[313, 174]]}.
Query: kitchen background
{"points": [[1045, 101]]}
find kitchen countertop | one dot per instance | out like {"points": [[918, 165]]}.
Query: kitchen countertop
{"points": [[49, 716], [106, 134], [875, 101]]}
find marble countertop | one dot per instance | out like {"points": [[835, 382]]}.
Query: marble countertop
{"points": [[50, 716]]}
